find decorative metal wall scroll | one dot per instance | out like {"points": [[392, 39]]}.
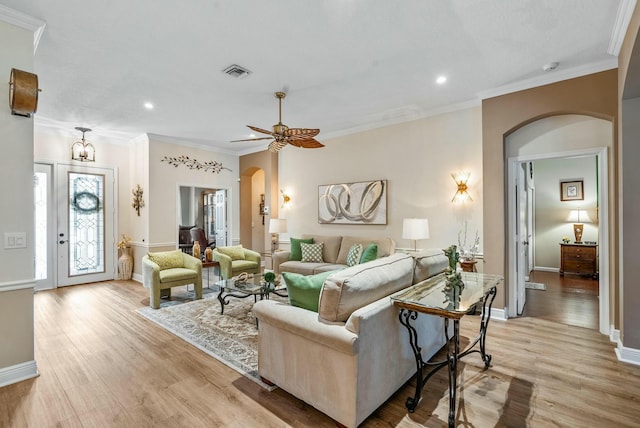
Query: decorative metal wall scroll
{"points": [[138, 202], [209, 166], [353, 203]]}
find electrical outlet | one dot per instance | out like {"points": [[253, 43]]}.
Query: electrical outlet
{"points": [[15, 240]]}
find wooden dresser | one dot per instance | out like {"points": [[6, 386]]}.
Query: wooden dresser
{"points": [[581, 259]]}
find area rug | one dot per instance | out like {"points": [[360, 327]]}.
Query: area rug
{"points": [[231, 338], [535, 286]]}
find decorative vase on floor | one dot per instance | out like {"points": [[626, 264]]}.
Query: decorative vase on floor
{"points": [[125, 264]]}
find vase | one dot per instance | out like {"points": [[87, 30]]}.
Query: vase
{"points": [[125, 264], [208, 254], [196, 250]]}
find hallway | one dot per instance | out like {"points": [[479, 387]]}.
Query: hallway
{"points": [[570, 300]]}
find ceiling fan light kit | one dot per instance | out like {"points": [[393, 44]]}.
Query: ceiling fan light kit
{"points": [[283, 135]]}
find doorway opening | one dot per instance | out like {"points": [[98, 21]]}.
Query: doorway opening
{"points": [[538, 218]]}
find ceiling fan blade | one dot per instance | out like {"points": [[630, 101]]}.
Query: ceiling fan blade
{"points": [[260, 130], [276, 145], [301, 133], [252, 139], [310, 143]]}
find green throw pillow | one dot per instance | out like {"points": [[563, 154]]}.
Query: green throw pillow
{"points": [[369, 253], [304, 291], [295, 250], [311, 253], [236, 252], [354, 254], [167, 259]]}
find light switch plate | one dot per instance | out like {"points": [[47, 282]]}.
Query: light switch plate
{"points": [[15, 240]]}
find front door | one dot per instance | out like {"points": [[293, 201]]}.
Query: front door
{"points": [[85, 233]]}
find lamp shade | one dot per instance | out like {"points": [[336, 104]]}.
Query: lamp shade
{"points": [[277, 225], [415, 228], [578, 216]]}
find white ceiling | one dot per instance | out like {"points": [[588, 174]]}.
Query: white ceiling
{"points": [[345, 64]]}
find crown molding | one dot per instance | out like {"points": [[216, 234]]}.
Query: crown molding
{"points": [[553, 77], [25, 21], [621, 25], [188, 143]]}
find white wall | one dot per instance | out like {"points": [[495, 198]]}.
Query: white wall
{"points": [[164, 180], [417, 158], [16, 215]]}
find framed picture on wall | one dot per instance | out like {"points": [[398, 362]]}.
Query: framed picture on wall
{"points": [[353, 203], [571, 190]]}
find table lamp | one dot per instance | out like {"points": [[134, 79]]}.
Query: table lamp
{"points": [[276, 226], [415, 228], [578, 218]]}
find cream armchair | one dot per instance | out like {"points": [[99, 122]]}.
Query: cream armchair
{"points": [[235, 260], [166, 269]]}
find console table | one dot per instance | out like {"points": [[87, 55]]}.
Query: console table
{"points": [[430, 297], [581, 259]]}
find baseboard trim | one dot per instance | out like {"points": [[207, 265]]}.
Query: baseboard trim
{"points": [[17, 285], [628, 355], [137, 277], [546, 269], [499, 314], [18, 373], [614, 335]]}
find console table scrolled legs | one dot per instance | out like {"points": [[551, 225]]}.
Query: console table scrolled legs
{"points": [[407, 316]]}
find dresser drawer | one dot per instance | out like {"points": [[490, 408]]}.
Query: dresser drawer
{"points": [[579, 259]]}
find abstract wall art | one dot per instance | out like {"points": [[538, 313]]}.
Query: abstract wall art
{"points": [[363, 202]]}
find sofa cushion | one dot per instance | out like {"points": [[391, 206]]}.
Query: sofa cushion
{"points": [[429, 263], [295, 252], [386, 246], [331, 246], [353, 256], [167, 259], [356, 286], [177, 274], [304, 290], [236, 252], [311, 253], [370, 253]]}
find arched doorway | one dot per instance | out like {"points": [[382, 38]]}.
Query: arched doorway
{"points": [[557, 137]]}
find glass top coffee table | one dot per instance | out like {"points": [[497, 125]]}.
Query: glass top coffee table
{"points": [[253, 286], [433, 297]]}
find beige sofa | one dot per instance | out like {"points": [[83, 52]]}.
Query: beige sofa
{"points": [[351, 356], [334, 254]]}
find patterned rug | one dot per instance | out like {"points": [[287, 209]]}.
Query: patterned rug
{"points": [[231, 338]]}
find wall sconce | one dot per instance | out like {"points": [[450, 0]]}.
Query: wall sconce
{"points": [[286, 199], [578, 218], [82, 150], [461, 194], [276, 225], [415, 228]]}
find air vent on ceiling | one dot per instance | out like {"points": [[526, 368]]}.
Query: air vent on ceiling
{"points": [[237, 71]]}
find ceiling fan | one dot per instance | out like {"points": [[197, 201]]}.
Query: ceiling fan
{"points": [[283, 135]]}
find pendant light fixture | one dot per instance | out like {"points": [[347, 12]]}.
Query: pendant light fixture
{"points": [[82, 150]]}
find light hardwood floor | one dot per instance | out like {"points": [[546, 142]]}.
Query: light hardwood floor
{"points": [[103, 365]]}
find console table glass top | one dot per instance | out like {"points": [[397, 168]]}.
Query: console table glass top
{"points": [[429, 296]]}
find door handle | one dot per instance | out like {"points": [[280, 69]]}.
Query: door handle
{"points": [[525, 242], [62, 242]]}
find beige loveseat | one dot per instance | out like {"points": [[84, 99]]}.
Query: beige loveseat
{"points": [[351, 356], [334, 254]]}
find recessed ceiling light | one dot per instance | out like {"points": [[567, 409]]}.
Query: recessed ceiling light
{"points": [[441, 79], [252, 135], [148, 106]]}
